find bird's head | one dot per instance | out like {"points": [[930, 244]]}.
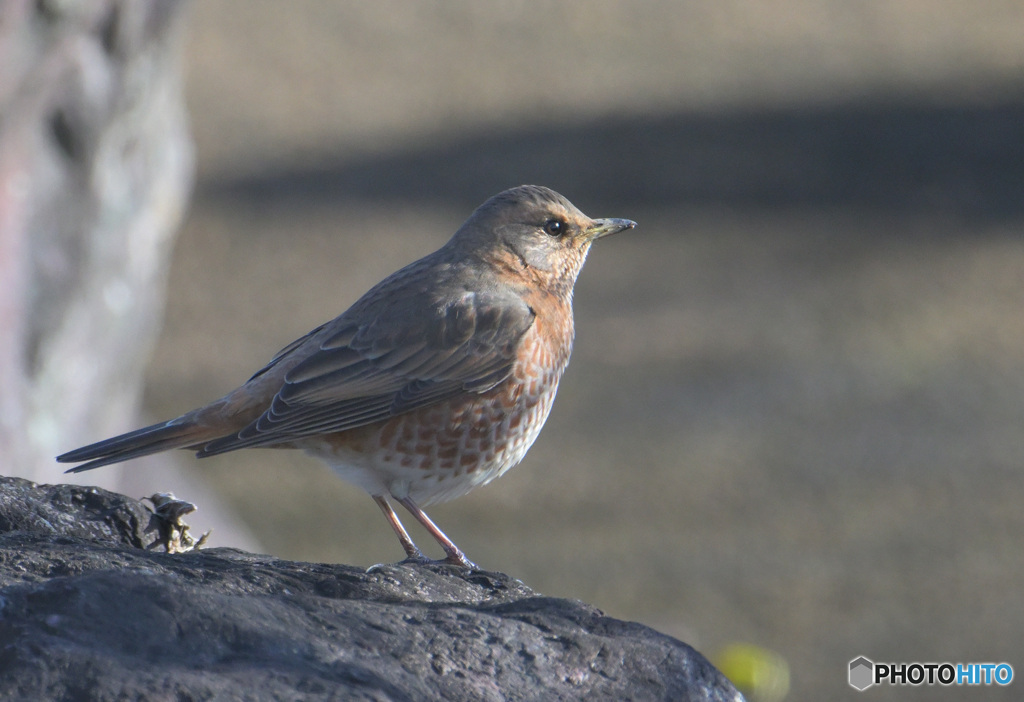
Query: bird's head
{"points": [[537, 229]]}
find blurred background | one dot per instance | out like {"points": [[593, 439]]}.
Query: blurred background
{"points": [[793, 416]]}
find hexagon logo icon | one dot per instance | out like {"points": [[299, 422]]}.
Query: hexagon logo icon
{"points": [[862, 673]]}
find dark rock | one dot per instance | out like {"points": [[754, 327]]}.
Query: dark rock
{"points": [[88, 610], [73, 511]]}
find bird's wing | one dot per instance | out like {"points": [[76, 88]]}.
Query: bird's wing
{"points": [[363, 372]]}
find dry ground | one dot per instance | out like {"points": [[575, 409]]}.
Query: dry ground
{"points": [[793, 416]]}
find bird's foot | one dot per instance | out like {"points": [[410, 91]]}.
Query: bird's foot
{"points": [[413, 557], [458, 560], [462, 562]]}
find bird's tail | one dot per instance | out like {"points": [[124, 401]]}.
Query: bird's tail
{"points": [[177, 433]]}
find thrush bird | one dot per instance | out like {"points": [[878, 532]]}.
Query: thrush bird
{"points": [[435, 381]]}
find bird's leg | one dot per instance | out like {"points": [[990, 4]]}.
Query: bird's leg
{"points": [[411, 551], [452, 552]]}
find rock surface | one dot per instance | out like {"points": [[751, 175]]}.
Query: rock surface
{"points": [[91, 608]]}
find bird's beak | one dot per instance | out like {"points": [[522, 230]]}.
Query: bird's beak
{"points": [[607, 227]]}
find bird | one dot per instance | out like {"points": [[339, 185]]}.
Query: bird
{"points": [[436, 381]]}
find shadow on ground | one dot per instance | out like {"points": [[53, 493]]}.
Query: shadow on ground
{"points": [[884, 156]]}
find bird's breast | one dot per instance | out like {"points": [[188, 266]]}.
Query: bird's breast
{"points": [[442, 451]]}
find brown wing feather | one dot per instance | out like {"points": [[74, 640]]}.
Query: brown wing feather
{"points": [[404, 359]]}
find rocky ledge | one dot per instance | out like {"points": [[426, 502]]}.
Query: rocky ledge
{"points": [[93, 608]]}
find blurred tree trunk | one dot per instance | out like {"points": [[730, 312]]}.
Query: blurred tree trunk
{"points": [[95, 169]]}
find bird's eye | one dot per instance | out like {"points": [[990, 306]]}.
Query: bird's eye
{"points": [[554, 227]]}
